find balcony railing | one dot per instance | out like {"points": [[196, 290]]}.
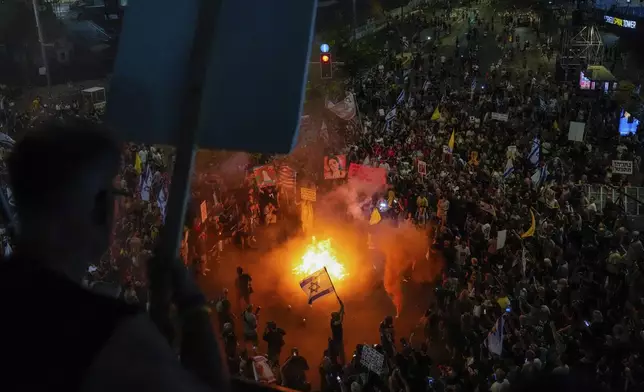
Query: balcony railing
{"points": [[242, 385]]}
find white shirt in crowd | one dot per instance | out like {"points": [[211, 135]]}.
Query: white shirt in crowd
{"points": [[486, 230], [143, 154], [592, 207], [561, 370], [500, 386]]}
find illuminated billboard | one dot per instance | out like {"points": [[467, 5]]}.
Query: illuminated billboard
{"points": [[630, 24]]}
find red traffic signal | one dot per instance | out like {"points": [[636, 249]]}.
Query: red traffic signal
{"points": [[326, 66]]}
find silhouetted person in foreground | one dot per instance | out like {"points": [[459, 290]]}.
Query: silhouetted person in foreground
{"points": [[57, 335]]}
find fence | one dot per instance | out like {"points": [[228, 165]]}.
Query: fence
{"points": [[633, 205]]}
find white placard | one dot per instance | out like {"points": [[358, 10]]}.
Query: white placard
{"points": [[623, 167], [511, 152], [372, 359], [499, 116], [204, 211], [576, 131], [501, 236]]}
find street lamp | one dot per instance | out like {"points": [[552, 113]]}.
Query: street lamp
{"points": [[41, 40]]}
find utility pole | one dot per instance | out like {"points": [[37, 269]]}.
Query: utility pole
{"points": [[41, 40], [355, 23]]}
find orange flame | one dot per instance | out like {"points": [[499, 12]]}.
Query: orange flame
{"points": [[320, 254]]}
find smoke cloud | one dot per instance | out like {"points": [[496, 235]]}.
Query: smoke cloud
{"points": [[400, 252]]}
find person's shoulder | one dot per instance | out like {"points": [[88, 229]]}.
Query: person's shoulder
{"points": [[137, 357]]}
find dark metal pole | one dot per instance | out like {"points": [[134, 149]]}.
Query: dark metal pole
{"points": [[187, 138], [41, 40], [355, 23]]}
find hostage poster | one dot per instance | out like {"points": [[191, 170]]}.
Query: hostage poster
{"points": [[335, 166]]}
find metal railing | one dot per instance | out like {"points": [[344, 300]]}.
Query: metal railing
{"points": [[243, 385], [632, 198]]}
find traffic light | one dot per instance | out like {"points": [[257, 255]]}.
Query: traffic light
{"points": [[326, 66]]}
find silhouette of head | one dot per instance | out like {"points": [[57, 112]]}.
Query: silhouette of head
{"points": [[62, 178]]}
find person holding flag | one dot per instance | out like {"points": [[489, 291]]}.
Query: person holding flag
{"points": [[337, 334], [138, 164], [494, 340], [318, 285], [450, 143], [535, 152], [436, 115], [533, 226], [509, 169]]}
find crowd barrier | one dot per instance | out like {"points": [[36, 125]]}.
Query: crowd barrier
{"points": [[631, 197]]}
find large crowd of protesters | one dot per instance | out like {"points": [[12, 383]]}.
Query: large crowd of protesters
{"points": [[565, 290], [565, 286]]}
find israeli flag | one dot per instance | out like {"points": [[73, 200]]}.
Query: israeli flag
{"points": [[391, 115], [8, 251], [473, 84], [509, 169], [145, 184], [539, 176], [535, 151], [162, 201], [401, 97], [317, 285], [494, 339]]}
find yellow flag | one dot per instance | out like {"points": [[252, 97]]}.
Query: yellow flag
{"points": [[450, 144], [556, 125], [138, 164], [533, 226], [436, 115], [375, 217]]}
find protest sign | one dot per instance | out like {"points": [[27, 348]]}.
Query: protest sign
{"points": [[511, 152], [499, 116], [501, 237], [372, 359], [262, 370], [474, 158], [623, 167], [265, 175], [371, 175], [335, 166], [308, 194], [576, 131], [204, 211]]}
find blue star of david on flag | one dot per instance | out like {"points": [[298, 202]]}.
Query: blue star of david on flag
{"points": [[317, 285]]}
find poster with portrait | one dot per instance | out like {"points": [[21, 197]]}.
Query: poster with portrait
{"points": [[265, 175], [422, 168], [335, 166], [474, 158]]}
